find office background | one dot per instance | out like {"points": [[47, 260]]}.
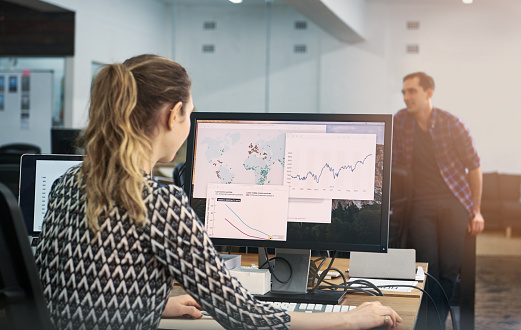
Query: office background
{"points": [[257, 58], [272, 57]]}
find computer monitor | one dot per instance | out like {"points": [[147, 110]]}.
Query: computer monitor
{"points": [[291, 181], [65, 141], [37, 174]]}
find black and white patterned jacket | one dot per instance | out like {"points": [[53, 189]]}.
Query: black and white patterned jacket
{"points": [[121, 277]]}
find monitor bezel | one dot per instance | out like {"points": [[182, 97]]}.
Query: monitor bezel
{"points": [[26, 197], [381, 246]]}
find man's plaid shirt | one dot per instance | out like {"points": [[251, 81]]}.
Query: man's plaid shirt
{"points": [[455, 152]]}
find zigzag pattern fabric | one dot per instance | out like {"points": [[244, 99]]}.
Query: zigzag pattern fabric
{"points": [[121, 277]]}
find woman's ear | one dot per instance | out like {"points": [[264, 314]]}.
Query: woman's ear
{"points": [[174, 115]]}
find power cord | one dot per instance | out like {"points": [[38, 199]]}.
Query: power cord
{"points": [[369, 288], [347, 286], [451, 311], [324, 273], [272, 269], [428, 296]]}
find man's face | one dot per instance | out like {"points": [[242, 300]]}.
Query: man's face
{"points": [[415, 97]]}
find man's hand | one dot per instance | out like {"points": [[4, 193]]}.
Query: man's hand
{"points": [[476, 224], [183, 305]]}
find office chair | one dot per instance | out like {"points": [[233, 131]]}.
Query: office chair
{"points": [[20, 149], [11, 153], [10, 176], [22, 304], [179, 175]]}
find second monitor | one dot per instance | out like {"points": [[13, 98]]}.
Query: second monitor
{"points": [[292, 181]]}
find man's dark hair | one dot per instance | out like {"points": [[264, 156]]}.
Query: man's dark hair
{"points": [[426, 81]]}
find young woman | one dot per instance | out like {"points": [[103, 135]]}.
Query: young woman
{"points": [[114, 240]]}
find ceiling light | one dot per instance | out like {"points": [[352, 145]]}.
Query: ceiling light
{"points": [[236, 1], [468, 2]]}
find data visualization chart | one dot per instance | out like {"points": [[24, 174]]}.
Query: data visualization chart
{"points": [[242, 154], [330, 166], [247, 211]]}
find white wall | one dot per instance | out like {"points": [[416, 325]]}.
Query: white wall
{"points": [[350, 11], [472, 51], [26, 115], [56, 65], [233, 78], [108, 31]]}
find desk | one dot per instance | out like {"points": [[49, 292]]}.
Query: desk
{"points": [[405, 304]]}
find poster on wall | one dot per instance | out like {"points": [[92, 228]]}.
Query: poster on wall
{"points": [[2, 91], [24, 120], [25, 81], [13, 84], [26, 103]]}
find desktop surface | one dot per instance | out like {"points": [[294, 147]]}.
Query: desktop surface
{"points": [[406, 304], [407, 308]]}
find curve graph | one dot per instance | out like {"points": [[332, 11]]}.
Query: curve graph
{"points": [[247, 212], [260, 233], [331, 166], [334, 173]]}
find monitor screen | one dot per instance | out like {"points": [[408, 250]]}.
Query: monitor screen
{"points": [[37, 174], [300, 181], [65, 141]]}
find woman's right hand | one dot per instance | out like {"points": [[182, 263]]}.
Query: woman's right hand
{"points": [[371, 314], [366, 316]]}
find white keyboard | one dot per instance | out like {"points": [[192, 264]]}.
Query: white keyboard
{"points": [[311, 308]]}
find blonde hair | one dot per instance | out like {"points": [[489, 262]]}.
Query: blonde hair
{"points": [[124, 112]]}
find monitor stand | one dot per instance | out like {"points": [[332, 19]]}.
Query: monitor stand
{"points": [[295, 290]]}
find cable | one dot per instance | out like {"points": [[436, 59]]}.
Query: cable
{"points": [[332, 286], [324, 273], [451, 311], [314, 269], [347, 287], [272, 270], [424, 292], [341, 274], [368, 284]]}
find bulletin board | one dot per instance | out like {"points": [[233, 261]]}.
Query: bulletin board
{"points": [[26, 102]]}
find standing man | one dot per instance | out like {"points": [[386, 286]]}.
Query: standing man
{"points": [[438, 149]]}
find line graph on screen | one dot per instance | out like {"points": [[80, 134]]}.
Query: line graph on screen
{"points": [[247, 212], [328, 169], [336, 166]]}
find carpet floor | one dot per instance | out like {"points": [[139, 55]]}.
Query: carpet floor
{"points": [[498, 293]]}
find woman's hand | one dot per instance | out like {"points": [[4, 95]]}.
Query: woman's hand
{"points": [[372, 314], [183, 305], [366, 316]]}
